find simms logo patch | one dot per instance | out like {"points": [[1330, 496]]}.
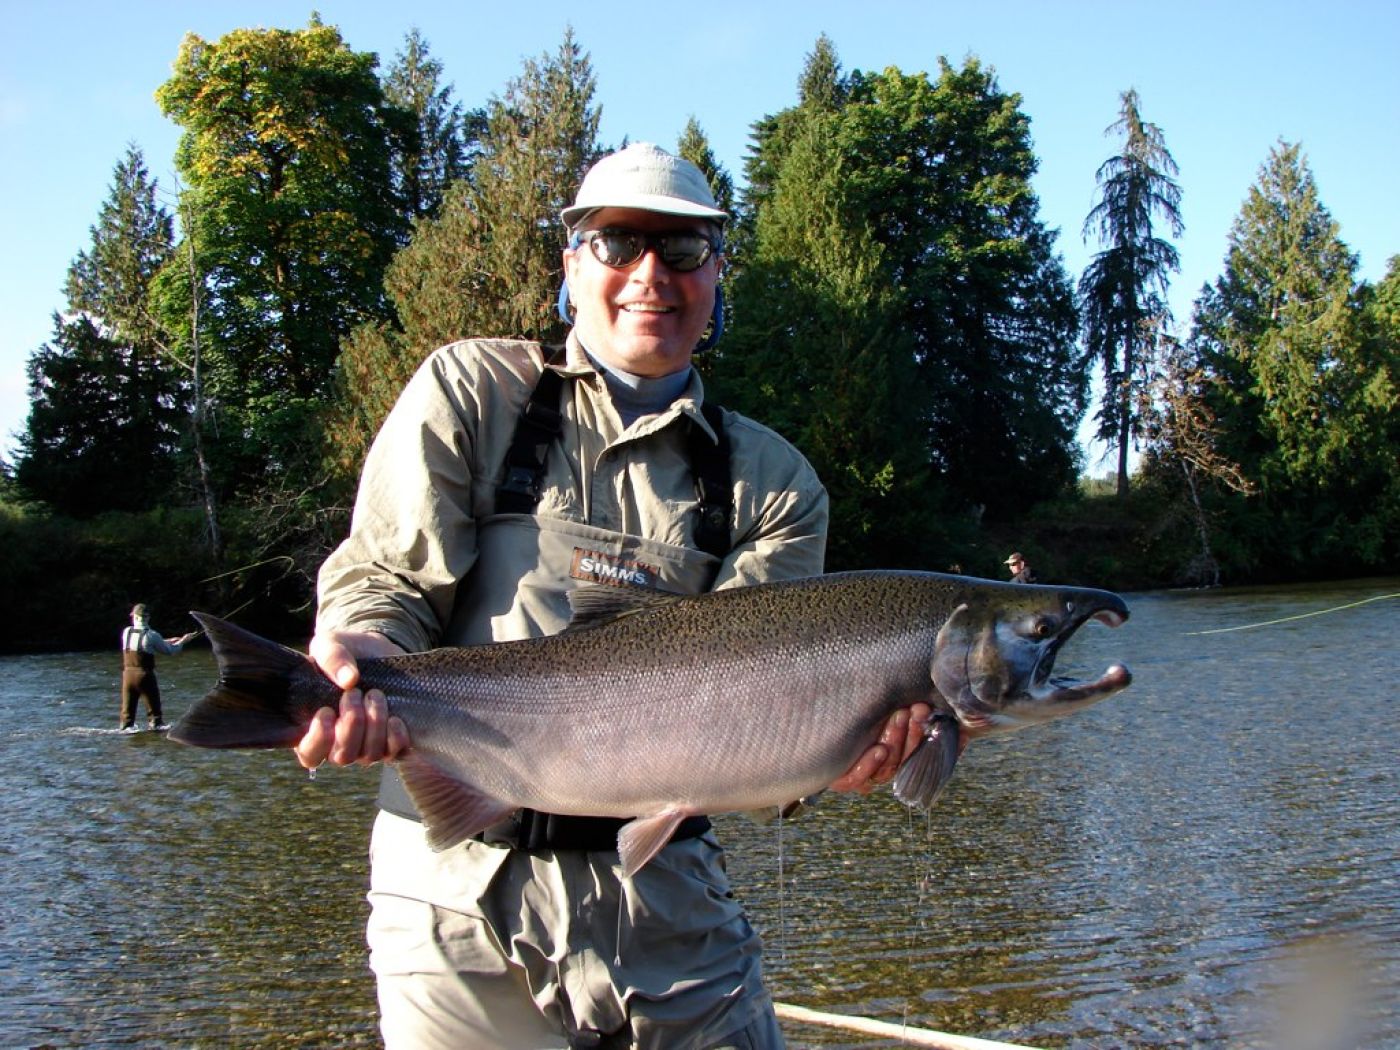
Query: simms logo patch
{"points": [[597, 567]]}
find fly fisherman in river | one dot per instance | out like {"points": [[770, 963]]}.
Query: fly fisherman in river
{"points": [[140, 645], [508, 474]]}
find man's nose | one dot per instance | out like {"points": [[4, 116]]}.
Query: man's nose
{"points": [[649, 268]]}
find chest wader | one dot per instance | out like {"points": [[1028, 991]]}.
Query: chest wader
{"points": [[522, 557], [138, 679]]}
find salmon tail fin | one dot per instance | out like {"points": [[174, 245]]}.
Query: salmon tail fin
{"points": [[927, 771], [254, 704]]}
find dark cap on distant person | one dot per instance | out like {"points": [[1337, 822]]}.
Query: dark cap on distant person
{"points": [[646, 178], [138, 611]]}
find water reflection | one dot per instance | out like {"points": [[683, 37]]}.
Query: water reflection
{"points": [[1185, 865]]}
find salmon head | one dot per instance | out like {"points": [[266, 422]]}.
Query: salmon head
{"points": [[994, 655]]}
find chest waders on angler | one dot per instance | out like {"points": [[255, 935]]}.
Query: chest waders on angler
{"points": [[138, 679], [520, 551]]}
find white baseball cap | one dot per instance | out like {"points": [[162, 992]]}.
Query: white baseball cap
{"points": [[647, 178]]}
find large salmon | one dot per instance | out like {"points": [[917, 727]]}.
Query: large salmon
{"points": [[657, 707]]}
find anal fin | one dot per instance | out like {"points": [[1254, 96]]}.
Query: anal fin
{"points": [[452, 810], [641, 839]]}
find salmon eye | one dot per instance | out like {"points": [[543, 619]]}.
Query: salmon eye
{"points": [[1043, 627]]}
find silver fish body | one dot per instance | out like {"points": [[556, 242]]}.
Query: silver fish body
{"points": [[659, 707]]}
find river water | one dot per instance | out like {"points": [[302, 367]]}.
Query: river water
{"points": [[1210, 859]]}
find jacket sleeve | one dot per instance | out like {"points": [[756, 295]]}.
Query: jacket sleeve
{"points": [[412, 535], [781, 510], [156, 644]]}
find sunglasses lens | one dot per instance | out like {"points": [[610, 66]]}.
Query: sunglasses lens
{"points": [[682, 252], [617, 247]]}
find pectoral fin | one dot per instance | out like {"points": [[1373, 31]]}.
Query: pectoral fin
{"points": [[927, 771], [641, 839], [452, 810]]}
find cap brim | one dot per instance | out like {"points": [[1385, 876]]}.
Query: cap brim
{"points": [[576, 213]]}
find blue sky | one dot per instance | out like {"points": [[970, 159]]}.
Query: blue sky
{"points": [[1224, 80]]}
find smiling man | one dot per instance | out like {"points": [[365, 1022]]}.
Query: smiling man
{"points": [[508, 474]]}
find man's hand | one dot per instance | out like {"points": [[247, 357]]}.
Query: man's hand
{"points": [[362, 730], [903, 732]]}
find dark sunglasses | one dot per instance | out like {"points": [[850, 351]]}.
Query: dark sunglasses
{"points": [[684, 252]]}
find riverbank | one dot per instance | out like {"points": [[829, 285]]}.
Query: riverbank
{"points": [[72, 583]]}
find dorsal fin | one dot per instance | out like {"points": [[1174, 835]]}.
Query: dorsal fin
{"points": [[595, 606]]}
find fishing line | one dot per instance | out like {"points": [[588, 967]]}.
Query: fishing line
{"points": [[782, 894], [1299, 616], [250, 565], [289, 564]]}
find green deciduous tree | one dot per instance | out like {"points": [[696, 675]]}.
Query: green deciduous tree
{"points": [[286, 152], [106, 408], [1123, 291]]}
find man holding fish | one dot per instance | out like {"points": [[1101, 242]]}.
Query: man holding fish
{"points": [[505, 477]]}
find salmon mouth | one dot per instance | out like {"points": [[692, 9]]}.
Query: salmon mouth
{"points": [[1057, 692], [1051, 696]]}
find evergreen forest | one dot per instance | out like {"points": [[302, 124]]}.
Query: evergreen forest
{"points": [[896, 307]]}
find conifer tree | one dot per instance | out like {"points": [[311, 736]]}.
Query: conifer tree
{"points": [[694, 146], [892, 247], [1282, 329], [1305, 392], [442, 136], [1123, 290], [899, 312], [490, 263], [103, 431]]}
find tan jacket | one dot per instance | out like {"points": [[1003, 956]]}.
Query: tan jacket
{"points": [[426, 503]]}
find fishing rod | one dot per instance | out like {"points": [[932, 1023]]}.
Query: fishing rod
{"points": [[286, 559], [906, 1035]]}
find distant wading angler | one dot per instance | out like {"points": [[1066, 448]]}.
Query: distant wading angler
{"points": [[140, 645]]}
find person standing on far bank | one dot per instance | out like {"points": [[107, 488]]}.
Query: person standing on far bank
{"points": [[507, 475], [140, 645]]}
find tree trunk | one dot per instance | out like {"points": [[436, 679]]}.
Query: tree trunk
{"points": [[213, 533]]}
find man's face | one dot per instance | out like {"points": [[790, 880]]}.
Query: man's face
{"points": [[644, 318]]}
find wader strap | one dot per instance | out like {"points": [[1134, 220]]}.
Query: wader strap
{"points": [[714, 485], [540, 422]]}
